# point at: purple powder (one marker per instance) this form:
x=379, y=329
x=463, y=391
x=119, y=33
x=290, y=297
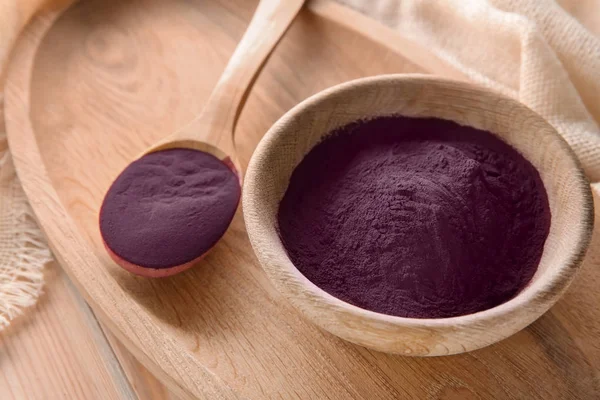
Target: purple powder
x=419, y=218
x=169, y=207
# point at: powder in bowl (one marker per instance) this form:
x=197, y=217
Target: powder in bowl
x=169, y=208
x=418, y=218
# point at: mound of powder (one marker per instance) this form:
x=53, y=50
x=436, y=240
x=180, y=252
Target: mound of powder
x=419, y=218
x=169, y=207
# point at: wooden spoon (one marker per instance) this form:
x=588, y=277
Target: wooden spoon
x=212, y=133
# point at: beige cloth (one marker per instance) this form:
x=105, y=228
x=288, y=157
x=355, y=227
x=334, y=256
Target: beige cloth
x=23, y=252
x=543, y=52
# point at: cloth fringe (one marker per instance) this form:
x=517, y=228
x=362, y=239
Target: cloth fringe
x=23, y=250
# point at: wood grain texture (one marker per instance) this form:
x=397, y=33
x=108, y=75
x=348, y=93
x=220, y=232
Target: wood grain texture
x=419, y=96
x=14, y=15
x=58, y=350
x=134, y=70
x=144, y=384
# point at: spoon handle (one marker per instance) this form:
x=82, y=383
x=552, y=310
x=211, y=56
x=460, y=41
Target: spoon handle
x=217, y=121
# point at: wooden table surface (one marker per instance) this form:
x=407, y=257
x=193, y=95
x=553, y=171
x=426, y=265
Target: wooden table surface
x=58, y=350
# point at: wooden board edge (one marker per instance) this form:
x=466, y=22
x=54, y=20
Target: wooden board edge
x=381, y=34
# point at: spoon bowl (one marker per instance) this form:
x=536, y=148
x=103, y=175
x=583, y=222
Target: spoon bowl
x=300, y=129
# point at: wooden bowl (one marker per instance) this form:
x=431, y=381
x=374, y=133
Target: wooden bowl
x=288, y=141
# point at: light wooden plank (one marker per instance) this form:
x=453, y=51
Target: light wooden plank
x=58, y=351
x=145, y=385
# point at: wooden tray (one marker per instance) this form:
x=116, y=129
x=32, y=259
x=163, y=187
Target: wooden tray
x=89, y=90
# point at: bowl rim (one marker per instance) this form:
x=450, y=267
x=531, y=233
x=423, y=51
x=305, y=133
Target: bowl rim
x=546, y=293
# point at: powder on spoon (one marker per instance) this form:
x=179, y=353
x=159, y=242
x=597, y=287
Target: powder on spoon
x=169, y=208
x=419, y=218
